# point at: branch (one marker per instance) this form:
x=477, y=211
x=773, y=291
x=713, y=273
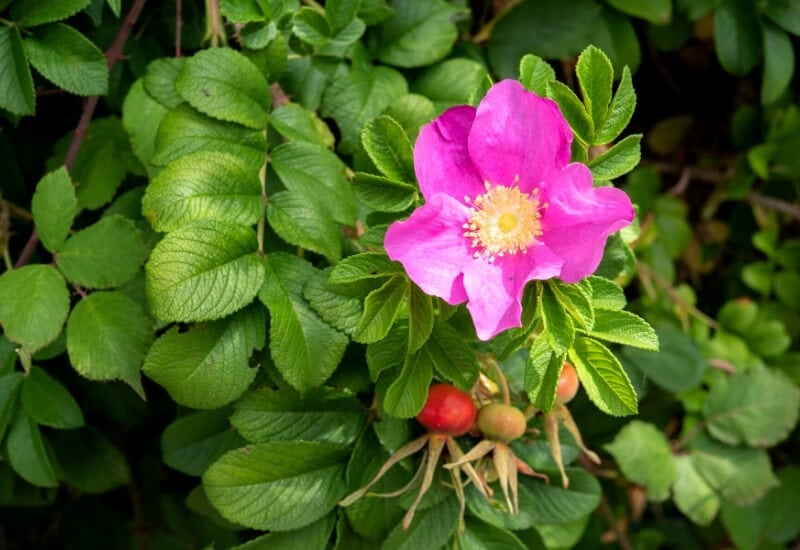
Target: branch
x=178, y=27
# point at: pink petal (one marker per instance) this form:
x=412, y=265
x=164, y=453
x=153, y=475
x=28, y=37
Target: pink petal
x=495, y=289
x=579, y=218
x=431, y=246
x=441, y=159
x=518, y=134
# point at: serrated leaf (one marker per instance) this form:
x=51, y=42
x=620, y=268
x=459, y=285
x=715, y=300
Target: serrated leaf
x=383, y=194
x=381, y=308
x=299, y=491
x=737, y=35
x=366, y=265
x=645, y=457
x=558, y=327
x=282, y=415
x=606, y=294
x=105, y=254
x=406, y=395
x=141, y=117
x=677, y=366
x=203, y=185
x=779, y=63
x=203, y=271
x=693, y=496
x=34, y=304
x=193, y=442
x=224, y=84
x=296, y=123
x=388, y=352
x=300, y=222
x=575, y=301
x=159, y=80
x=29, y=13
x=107, y=338
x=89, y=462
x=619, y=112
x=306, y=350
x=9, y=386
x=479, y=535
x=572, y=109
x=535, y=73
x=420, y=318
x=452, y=357
x=623, y=157
x=757, y=407
x=16, y=83
x=595, y=76
x=68, y=59
x=207, y=366
x=47, y=402
x=54, y=207
x=185, y=130
x=339, y=305
x=624, y=327
x=388, y=146
x=542, y=371
x=603, y=378
x=431, y=528
x=25, y=452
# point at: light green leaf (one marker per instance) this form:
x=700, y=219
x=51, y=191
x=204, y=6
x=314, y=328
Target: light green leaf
x=603, y=378
x=572, y=109
x=620, y=159
x=452, y=357
x=381, y=308
x=693, y=496
x=299, y=490
x=624, y=327
x=300, y=221
x=203, y=271
x=340, y=13
x=9, y=385
x=366, y=265
x=383, y=194
x=558, y=327
x=34, y=304
x=658, y=12
x=677, y=366
x=315, y=535
x=47, y=402
x=595, y=76
x=224, y=84
x=388, y=146
x=107, y=338
x=645, y=457
x=105, y=254
x=535, y=73
x=756, y=407
x=296, y=123
x=339, y=305
x=412, y=111
x=25, y=452
x=283, y=415
x=420, y=318
x=193, y=442
x=203, y=185
x=431, y=528
x=406, y=395
x=542, y=371
x=159, y=80
x=619, y=112
x=16, y=83
x=450, y=82
x=306, y=350
x=141, y=117
x=737, y=35
x=89, y=462
x=605, y=293
x=54, y=207
x=779, y=63
x=29, y=13
x=575, y=301
x=207, y=366
x=68, y=59
x=559, y=535
x=418, y=33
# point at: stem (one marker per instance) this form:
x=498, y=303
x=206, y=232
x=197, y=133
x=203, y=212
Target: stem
x=649, y=274
x=178, y=27
x=611, y=519
x=501, y=379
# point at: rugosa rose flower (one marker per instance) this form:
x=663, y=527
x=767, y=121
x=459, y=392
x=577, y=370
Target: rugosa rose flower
x=503, y=206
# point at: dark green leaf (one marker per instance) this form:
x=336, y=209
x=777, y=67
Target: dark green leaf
x=381, y=308
x=658, y=12
x=47, y=402
x=339, y=305
x=29, y=13
x=785, y=14
x=16, y=83
x=558, y=327
x=479, y=535
x=542, y=371
x=620, y=159
x=431, y=528
x=779, y=63
x=89, y=462
x=603, y=378
x=54, y=207
x=383, y=194
x=388, y=352
x=645, y=457
x=677, y=366
x=9, y=385
x=388, y=146
x=615, y=35
x=737, y=35
x=193, y=442
x=367, y=265
x=420, y=318
x=406, y=395
x=25, y=452
x=300, y=221
x=452, y=357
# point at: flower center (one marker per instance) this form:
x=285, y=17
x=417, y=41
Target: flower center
x=503, y=221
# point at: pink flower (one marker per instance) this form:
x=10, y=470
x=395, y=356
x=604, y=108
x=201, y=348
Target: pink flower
x=503, y=206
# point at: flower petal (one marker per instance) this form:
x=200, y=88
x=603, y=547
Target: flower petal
x=579, y=218
x=516, y=133
x=431, y=246
x=441, y=159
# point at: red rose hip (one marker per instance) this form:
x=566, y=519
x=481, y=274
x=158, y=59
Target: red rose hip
x=568, y=384
x=448, y=410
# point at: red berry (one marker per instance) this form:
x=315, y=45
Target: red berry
x=448, y=410
x=501, y=422
x=567, y=384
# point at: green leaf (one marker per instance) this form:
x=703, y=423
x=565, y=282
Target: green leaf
x=89, y=462
x=184, y=131
x=542, y=371
x=558, y=535
x=9, y=384
x=207, y=366
x=737, y=35
x=141, y=117
x=624, y=327
x=575, y=301
x=740, y=474
x=758, y=408
x=785, y=14
x=315, y=535
x=383, y=194
x=658, y=12
x=572, y=109
x=418, y=33
x=452, y=357
x=431, y=528
x=558, y=327
x=205, y=270
x=615, y=35
x=787, y=288
x=29, y=13
x=34, y=304
x=47, y=402
x=412, y=111
x=366, y=265
x=224, y=84
x=535, y=73
x=340, y=13
x=283, y=415
x=388, y=146
x=479, y=535
x=203, y=185
x=677, y=366
x=693, y=496
x=25, y=452
x=603, y=378
x=619, y=112
x=645, y=457
x=339, y=305
x=389, y=352
x=296, y=123
x=381, y=308
x=16, y=82
x=595, y=76
x=306, y=350
x=105, y=254
x=159, y=80
x=779, y=63
x=358, y=97
x=193, y=442
x=68, y=59
x=300, y=222
x=605, y=293
x=318, y=175
x=301, y=481
x=406, y=395
x=420, y=318
x=450, y=82
x=54, y=207
x=107, y=338
x=620, y=159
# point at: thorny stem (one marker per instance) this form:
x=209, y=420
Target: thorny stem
x=113, y=55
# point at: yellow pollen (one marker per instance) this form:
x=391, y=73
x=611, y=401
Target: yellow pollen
x=503, y=221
